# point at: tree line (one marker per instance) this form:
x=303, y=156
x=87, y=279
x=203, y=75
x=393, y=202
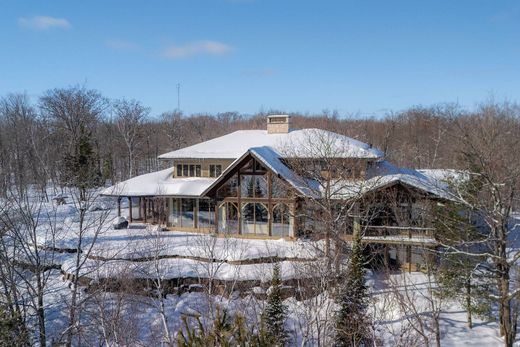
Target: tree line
x=123, y=138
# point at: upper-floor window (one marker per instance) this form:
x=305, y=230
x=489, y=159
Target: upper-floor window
x=186, y=170
x=215, y=170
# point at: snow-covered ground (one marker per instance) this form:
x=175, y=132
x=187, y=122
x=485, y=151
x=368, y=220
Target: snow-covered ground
x=139, y=251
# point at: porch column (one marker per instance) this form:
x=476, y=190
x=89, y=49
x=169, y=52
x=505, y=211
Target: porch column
x=269, y=204
x=119, y=206
x=144, y=208
x=130, y=209
x=216, y=217
x=152, y=202
x=239, y=210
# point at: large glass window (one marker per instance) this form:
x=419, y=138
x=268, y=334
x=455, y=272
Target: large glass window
x=229, y=188
x=282, y=222
x=253, y=186
x=206, y=214
x=174, y=213
x=188, y=213
x=279, y=188
x=179, y=170
x=228, y=218
x=254, y=219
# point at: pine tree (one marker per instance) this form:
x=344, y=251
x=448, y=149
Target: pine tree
x=81, y=167
x=275, y=312
x=352, y=324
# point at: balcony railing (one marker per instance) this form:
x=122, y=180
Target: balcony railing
x=397, y=234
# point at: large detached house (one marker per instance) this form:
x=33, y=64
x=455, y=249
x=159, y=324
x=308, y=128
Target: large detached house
x=267, y=184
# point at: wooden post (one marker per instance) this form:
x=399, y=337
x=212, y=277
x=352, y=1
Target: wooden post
x=292, y=214
x=119, y=206
x=216, y=217
x=196, y=214
x=239, y=210
x=166, y=211
x=269, y=204
x=409, y=257
x=130, y=209
x=144, y=208
x=150, y=201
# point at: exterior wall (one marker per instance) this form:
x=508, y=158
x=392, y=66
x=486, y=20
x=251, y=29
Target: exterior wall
x=204, y=163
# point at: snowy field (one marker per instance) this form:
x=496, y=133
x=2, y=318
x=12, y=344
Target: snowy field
x=142, y=251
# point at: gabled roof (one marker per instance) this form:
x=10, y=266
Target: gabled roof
x=271, y=160
x=160, y=183
x=307, y=143
x=384, y=174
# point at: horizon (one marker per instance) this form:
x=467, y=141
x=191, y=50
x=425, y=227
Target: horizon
x=247, y=56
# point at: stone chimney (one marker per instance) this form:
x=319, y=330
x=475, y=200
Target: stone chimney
x=278, y=124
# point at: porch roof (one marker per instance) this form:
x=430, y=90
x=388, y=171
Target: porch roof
x=160, y=183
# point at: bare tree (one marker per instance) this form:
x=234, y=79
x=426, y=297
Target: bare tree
x=488, y=147
x=129, y=116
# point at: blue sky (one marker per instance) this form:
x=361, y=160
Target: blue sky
x=356, y=57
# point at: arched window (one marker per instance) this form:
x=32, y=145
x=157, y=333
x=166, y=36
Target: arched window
x=255, y=218
x=282, y=221
x=228, y=218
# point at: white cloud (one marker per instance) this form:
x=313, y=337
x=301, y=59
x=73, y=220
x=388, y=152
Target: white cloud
x=197, y=48
x=43, y=22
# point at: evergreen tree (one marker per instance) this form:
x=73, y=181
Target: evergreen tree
x=275, y=312
x=12, y=330
x=352, y=324
x=461, y=275
x=81, y=167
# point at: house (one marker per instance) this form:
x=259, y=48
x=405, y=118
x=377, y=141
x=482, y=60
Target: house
x=274, y=183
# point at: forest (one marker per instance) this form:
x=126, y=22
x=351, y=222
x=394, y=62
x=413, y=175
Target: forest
x=72, y=141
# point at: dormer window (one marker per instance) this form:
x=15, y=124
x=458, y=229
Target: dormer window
x=215, y=170
x=188, y=170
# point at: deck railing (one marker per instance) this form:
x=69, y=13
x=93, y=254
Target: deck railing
x=410, y=232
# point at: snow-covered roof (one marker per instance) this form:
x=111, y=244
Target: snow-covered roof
x=160, y=183
x=449, y=176
x=271, y=160
x=384, y=174
x=307, y=143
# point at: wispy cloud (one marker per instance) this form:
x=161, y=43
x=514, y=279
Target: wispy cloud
x=197, y=48
x=122, y=45
x=43, y=22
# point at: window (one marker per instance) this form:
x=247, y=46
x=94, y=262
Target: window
x=230, y=188
x=206, y=213
x=254, y=218
x=253, y=186
x=174, y=213
x=228, y=218
x=188, y=213
x=281, y=220
x=215, y=170
x=189, y=170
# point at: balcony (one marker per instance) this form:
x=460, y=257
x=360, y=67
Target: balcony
x=397, y=235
